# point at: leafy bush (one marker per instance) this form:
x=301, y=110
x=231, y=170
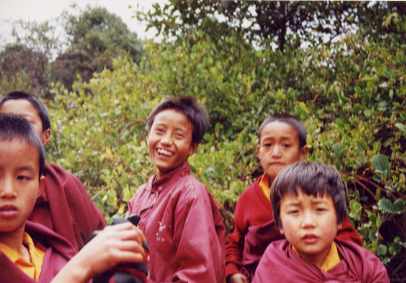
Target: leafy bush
x=350, y=95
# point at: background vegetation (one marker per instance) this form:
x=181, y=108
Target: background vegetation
x=340, y=67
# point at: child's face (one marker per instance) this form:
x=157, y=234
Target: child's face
x=19, y=183
x=24, y=108
x=170, y=140
x=309, y=224
x=278, y=147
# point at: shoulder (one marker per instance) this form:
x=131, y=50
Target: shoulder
x=363, y=261
x=58, y=175
x=248, y=197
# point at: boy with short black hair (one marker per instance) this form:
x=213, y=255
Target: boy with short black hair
x=308, y=202
x=281, y=142
x=179, y=218
x=63, y=204
x=30, y=252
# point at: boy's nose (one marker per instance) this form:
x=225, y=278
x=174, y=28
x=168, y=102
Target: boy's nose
x=7, y=189
x=166, y=139
x=276, y=151
x=308, y=219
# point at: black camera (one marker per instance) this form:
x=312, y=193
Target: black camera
x=126, y=272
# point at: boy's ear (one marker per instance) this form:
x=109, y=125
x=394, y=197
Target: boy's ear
x=257, y=150
x=46, y=136
x=41, y=183
x=304, y=152
x=193, y=148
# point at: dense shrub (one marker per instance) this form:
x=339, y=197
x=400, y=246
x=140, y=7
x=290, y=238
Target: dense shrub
x=351, y=96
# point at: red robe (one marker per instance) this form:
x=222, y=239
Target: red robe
x=255, y=228
x=183, y=227
x=281, y=264
x=65, y=207
x=58, y=252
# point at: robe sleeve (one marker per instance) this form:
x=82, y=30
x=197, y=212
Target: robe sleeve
x=199, y=251
x=87, y=217
x=234, y=243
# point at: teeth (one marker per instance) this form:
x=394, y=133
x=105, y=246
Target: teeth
x=164, y=152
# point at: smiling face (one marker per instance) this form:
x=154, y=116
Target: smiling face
x=25, y=109
x=278, y=147
x=170, y=140
x=309, y=224
x=19, y=184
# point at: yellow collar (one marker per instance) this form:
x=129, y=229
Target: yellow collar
x=33, y=267
x=264, y=185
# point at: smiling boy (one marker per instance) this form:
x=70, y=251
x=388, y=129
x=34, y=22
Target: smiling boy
x=308, y=202
x=178, y=216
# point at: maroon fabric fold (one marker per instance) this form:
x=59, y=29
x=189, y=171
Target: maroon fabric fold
x=65, y=207
x=281, y=264
x=58, y=252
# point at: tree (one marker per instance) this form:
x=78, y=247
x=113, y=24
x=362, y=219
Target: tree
x=19, y=61
x=95, y=37
x=271, y=23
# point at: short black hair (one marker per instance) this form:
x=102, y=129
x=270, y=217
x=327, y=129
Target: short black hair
x=291, y=121
x=34, y=101
x=188, y=106
x=312, y=179
x=17, y=127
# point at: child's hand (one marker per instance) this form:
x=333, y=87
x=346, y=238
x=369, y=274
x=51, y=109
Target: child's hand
x=238, y=278
x=122, y=243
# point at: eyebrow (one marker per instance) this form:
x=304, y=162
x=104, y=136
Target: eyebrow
x=26, y=168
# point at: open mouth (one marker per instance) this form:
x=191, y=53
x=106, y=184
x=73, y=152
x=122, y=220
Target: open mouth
x=164, y=152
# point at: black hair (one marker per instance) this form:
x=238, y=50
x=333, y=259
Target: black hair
x=17, y=127
x=291, y=121
x=313, y=179
x=188, y=106
x=34, y=101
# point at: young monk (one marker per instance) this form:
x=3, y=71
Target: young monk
x=30, y=252
x=179, y=218
x=308, y=201
x=63, y=204
x=281, y=141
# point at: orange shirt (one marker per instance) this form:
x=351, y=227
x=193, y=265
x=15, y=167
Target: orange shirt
x=32, y=268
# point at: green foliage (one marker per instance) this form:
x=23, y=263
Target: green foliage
x=350, y=95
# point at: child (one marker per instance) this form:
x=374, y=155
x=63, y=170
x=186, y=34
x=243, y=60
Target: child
x=179, y=218
x=63, y=204
x=308, y=201
x=281, y=141
x=30, y=252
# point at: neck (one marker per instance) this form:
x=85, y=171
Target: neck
x=317, y=259
x=14, y=239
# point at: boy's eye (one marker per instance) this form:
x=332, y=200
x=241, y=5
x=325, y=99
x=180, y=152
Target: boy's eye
x=24, y=178
x=267, y=145
x=292, y=211
x=159, y=131
x=286, y=145
x=320, y=209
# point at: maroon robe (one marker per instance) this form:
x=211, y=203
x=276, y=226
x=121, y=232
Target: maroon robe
x=255, y=229
x=65, y=207
x=357, y=264
x=183, y=227
x=58, y=252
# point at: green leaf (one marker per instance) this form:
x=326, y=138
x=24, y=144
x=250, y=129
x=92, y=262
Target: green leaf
x=381, y=164
x=401, y=127
x=387, y=206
